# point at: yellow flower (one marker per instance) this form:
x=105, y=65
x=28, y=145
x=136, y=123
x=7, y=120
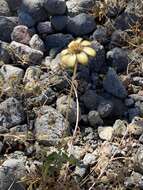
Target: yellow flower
x=78, y=51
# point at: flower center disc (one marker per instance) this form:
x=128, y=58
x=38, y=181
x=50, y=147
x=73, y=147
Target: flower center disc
x=75, y=48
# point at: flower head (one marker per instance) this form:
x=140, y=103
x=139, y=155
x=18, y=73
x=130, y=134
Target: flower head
x=78, y=51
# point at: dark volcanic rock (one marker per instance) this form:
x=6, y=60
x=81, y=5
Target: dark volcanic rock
x=57, y=41
x=55, y=7
x=6, y=27
x=113, y=85
x=59, y=22
x=81, y=24
x=14, y=4
x=45, y=27
x=125, y=21
x=25, y=19
x=97, y=63
x=118, y=59
x=35, y=9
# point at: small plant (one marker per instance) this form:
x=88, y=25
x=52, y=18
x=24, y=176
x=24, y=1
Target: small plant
x=51, y=174
x=78, y=52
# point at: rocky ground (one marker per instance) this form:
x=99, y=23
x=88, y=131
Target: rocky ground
x=35, y=130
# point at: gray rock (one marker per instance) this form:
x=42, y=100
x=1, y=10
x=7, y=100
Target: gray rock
x=35, y=9
x=26, y=54
x=76, y=7
x=32, y=73
x=10, y=71
x=81, y=24
x=139, y=105
x=89, y=134
x=3, y=130
x=1, y=146
x=138, y=81
x=54, y=64
x=50, y=126
x=21, y=34
x=120, y=128
x=80, y=170
x=58, y=82
x=37, y=43
x=118, y=59
x=18, y=155
x=58, y=41
x=4, y=8
x=136, y=97
x=11, y=113
x=136, y=126
x=6, y=27
x=94, y=118
x=105, y=133
x=45, y=28
x=89, y=159
x=25, y=19
x=4, y=54
x=141, y=139
x=55, y=7
x=138, y=160
x=11, y=171
x=59, y=22
x=14, y=5
x=134, y=181
x=19, y=129
x=113, y=85
x=62, y=107
x=105, y=108
x=77, y=151
x=47, y=98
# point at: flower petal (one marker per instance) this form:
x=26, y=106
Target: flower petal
x=82, y=58
x=78, y=40
x=85, y=43
x=64, y=52
x=68, y=60
x=71, y=44
x=89, y=51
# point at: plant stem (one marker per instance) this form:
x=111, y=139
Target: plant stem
x=71, y=90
